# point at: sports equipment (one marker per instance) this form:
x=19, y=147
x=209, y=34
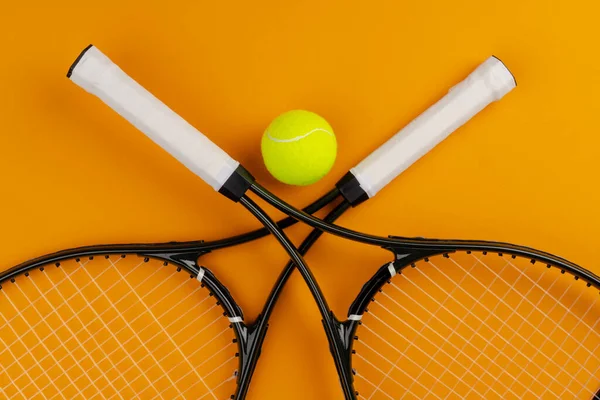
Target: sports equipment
x=443, y=318
x=299, y=147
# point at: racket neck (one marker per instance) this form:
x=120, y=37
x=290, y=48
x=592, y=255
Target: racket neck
x=254, y=334
x=304, y=247
x=314, y=207
x=315, y=222
x=332, y=326
x=260, y=326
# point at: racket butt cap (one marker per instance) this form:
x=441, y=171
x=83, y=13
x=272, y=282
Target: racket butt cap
x=72, y=67
x=496, y=76
x=508, y=70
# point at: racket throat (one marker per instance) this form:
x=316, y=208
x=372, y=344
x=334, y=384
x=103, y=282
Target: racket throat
x=340, y=336
x=250, y=340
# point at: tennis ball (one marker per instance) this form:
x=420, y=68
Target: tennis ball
x=299, y=147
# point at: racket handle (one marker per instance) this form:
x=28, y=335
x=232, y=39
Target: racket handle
x=97, y=74
x=488, y=83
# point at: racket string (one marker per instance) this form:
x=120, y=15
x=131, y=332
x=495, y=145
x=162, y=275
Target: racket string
x=497, y=332
x=41, y=343
x=162, y=330
x=440, y=349
x=432, y=316
x=551, y=357
x=453, y=359
x=492, y=313
x=74, y=271
x=117, y=331
x=509, y=340
x=402, y=354
x=207, y=359
x=210, y=390
x=380, y=370
x=545, y=291
x=587, y=382
x=525, y=320
x=32, y=381
x=387, y=374
x=106, y=356
x=14, y=382
x=381, y=320
x=228, y=380
x=30, y=305
x=559, y=347
x=135, y=364
x=377, y=389
x=73, y=335
x=76, y=315
x=460, y=351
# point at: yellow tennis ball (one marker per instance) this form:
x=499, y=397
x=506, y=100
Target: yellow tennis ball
x=299, y=147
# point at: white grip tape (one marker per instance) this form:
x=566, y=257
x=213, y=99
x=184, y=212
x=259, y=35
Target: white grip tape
x=97, y=74
x=488, y=83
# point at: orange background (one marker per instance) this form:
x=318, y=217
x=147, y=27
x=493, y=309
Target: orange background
x=524, y=171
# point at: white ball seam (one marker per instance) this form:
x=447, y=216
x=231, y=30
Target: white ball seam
x=297, y=138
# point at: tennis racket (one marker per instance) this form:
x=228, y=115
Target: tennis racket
x=455, y=291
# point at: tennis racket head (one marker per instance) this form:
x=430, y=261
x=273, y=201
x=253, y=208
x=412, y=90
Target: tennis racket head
x=108, y=323
x=494, y=323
